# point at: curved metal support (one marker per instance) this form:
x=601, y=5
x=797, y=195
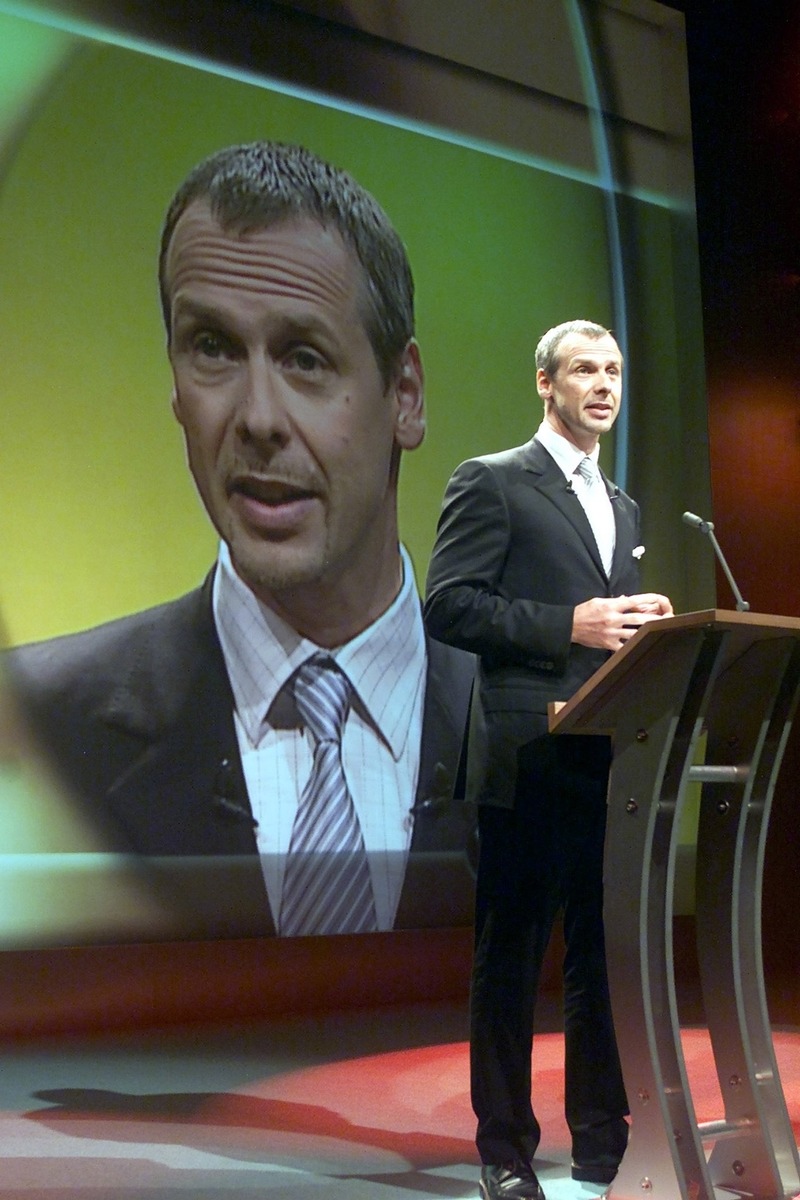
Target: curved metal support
x=757, y=1153
x=736, y=676
x=653, y=744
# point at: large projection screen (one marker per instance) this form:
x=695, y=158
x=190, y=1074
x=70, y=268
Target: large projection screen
x=536, y=160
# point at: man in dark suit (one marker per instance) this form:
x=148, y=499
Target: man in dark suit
x=297, y=682
x=535, y=569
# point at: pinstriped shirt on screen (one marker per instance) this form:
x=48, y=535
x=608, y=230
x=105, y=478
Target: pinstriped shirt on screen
x=386, y=666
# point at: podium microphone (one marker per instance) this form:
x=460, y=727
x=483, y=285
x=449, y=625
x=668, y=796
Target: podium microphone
x=707, y=528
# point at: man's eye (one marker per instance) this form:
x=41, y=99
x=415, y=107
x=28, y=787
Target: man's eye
x=305, y=360
x=210, y=345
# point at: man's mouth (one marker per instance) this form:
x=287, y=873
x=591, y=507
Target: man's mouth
x=272, y=507
x=271, y=492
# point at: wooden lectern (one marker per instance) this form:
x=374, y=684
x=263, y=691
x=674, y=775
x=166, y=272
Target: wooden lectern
x=733, y=677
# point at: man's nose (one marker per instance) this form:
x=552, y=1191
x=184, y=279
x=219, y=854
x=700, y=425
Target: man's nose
x=263, y=412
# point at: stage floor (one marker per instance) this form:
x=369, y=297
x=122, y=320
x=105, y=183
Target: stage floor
x=356, y=1106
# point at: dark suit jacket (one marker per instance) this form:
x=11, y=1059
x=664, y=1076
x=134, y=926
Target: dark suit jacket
x=137, y=716
x=514, y=555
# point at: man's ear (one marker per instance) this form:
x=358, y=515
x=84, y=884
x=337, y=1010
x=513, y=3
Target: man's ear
x=409, y=398
x=176, y=406
x=543, y=386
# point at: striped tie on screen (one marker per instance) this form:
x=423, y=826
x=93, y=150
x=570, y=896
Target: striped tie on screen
x=326, y=886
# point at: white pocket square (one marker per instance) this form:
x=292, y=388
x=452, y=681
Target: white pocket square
x=637, y=551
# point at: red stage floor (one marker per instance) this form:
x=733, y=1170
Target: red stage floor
x=363, y=1106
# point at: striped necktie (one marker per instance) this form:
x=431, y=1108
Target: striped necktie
x=326, y=885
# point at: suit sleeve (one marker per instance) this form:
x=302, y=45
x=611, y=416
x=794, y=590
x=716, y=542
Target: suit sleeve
x=465, y=603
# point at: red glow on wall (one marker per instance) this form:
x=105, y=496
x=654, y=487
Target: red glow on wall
x=755, y=455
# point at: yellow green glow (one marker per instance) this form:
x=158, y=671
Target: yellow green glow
x=29, y=55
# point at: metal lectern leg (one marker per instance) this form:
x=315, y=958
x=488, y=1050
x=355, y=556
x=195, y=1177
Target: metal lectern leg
x=736, y=677
x=653, y=742
x=754, y=1152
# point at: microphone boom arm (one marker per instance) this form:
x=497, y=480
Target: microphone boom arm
x=707, y=527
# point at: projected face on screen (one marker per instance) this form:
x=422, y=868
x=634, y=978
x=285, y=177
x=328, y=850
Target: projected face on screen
x=280, y=715
x=297, y=381
x=161, y=647
x=297, y=385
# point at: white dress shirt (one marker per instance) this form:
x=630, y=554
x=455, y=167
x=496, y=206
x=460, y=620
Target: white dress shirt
x=595, y=501
x=386, y=665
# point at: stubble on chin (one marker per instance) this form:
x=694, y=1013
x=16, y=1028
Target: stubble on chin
x=269, y=570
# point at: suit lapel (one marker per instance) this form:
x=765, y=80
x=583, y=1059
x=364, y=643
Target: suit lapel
x=625, y=518
x=176, y=791
x=173, y=708
x=438, y=885
x=550, y=481
x=447, y=696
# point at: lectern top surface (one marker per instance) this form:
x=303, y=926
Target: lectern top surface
x=589, y=710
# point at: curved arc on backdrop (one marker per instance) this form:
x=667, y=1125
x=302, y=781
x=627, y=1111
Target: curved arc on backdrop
x=597, y=89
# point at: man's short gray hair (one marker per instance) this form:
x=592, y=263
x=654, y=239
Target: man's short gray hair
x=547, y=357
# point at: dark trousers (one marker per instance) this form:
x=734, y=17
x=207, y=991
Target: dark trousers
x=544, y=855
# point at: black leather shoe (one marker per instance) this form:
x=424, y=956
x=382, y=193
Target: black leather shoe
x=510, y=1181
x=594, y=1172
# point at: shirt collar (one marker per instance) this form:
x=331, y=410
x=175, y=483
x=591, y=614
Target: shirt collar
x=385, y=663
x=562, y=450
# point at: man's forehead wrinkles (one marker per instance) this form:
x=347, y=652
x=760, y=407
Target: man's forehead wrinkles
x=260, y=273
x=293, y=258
x=197, y=283
x=594, y=358
x=577, y=343
x=594, y=348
